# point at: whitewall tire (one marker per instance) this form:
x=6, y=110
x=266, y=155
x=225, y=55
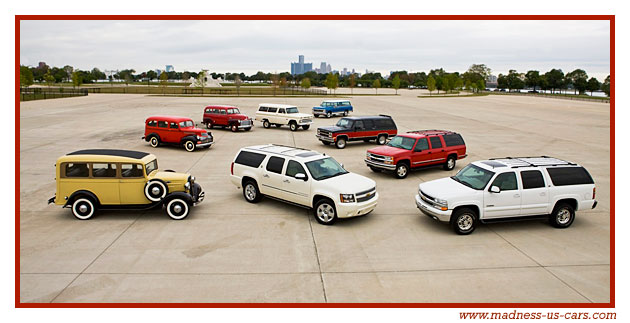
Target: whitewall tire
x=155, y=191
x=83, y=208
x=177, y=209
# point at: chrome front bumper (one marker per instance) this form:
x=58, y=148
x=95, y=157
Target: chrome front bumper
x=372, y=163
x=432, y=212
x=325, y=138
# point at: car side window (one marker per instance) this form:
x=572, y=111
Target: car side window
x=368, y=124
x=532, y=179
x=208, y=110
x=281, y=111
x=359, y=125
x=506, y=181
x=275, y=164
x=103, y=170
x=272, y=110
x=162, y=124
x=152, y=123
x=76, y=170
x=131, y=170
x=423, y=144
x=262, y=109
x=174, y=125
x=294, y=168
x=435, y=142
x=222, y=111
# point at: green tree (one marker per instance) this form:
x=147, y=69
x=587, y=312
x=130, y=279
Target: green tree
x=306, y=83
x=151, y=75
x=376, y=84
x=352, y=82
x=26, y=76
x=481, y=85
x=532, y=79
x=335, y=82
x=515, y=80
x=555, y=79
x=49, y=79
x=68, y=70
x=430, y=84
x=578, y=79
x=396, y=83
x=502, y=82
x=606, y=86
x=163, y=81
x=593, y=85
x=275, y=82
x=76, y=79
x=237, y=83
x=201, y=80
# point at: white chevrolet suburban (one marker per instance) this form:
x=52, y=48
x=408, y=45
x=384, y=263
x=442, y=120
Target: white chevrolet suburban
x=305, y=178
x=508, y=189
x=281, y=114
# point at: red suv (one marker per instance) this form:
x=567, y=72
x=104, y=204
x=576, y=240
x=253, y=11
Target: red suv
x=177, y=131
x=226, y=116
x=416, y=149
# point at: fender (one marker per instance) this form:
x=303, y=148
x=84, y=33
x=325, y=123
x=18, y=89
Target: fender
x=81, y=192
x=188, y=137
x=320, y=193
x=148, y=137
x=556, y=198
x=183, y=195
x=471, y=202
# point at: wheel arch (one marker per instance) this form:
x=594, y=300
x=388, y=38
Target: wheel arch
x=475, y=208
x=188, y=137
x=247, y=178
x=151, y=135
x=318, y=197
x=81, y=193
x=183, y=195
x=568, y=200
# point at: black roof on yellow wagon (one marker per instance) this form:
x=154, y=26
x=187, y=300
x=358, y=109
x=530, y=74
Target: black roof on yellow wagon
x=111, y=152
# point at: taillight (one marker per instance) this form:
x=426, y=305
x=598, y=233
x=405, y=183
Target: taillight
x=593, y=193
x=232, y=172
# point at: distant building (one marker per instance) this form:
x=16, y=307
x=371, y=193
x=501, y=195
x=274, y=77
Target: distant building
x=328, y=68
x=41, y=65
x=322, y=68
x=170, y=68
x=491, y=79
x=300, y=67
x=158, y=72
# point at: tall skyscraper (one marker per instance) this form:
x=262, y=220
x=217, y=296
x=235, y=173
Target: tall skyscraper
x=170, y=68
x=322, y=68
x=300, y=67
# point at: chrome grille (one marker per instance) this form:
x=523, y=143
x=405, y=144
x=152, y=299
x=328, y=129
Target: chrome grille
x=377, y=157
x=246, y=122
x=366, y=195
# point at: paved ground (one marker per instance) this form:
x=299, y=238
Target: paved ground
x=232, y=251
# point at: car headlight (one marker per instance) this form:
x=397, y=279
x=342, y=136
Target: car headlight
x=389, y=160
x=346, y=198
x=192, y=179
x=187, y=185
x=441, y=204
x=367, y=155
x=198, y=137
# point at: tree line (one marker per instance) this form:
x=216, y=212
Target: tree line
x=474, y=79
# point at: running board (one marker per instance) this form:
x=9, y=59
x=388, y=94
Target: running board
x=517, y=218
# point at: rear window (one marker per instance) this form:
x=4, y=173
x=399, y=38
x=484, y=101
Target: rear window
x=532, y=179
x=384, y=123
x=454, y=139
x=249, y=159
x=562, y=176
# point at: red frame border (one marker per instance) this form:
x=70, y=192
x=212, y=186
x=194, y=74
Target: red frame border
x=19, y=304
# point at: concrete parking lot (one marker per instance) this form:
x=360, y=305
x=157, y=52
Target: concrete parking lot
x=228, y=250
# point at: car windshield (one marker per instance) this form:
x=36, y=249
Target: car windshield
x=473, y=176
x=292, y=110
x=325, y=168
x=344, y=123
x=233, y=111
x=402, y=142
x=151, y=166
x=186, y=124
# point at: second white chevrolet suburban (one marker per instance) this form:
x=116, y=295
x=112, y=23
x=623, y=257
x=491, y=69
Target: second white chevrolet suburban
x=281, y=114
x=509, y=188
x=305, y=178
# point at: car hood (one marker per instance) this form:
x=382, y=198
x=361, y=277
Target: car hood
x=238, y=116
x=197, y=131
x=169, y=176
x=349, y=183
x=388, y=151
x=445, y=188
x=333, y=129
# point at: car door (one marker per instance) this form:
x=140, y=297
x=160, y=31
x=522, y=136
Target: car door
x=370, y=129
x=174, y=134
x=104, y=183
x=282, y=117
x=272, y=115
x=420, y=153
x=505, y=203
x=272, y=177
x=535, y=195
x=132, y=181
x=222, y=117
x=163, y=131
x=297, y=190
x=437, y=154
x=359, y=131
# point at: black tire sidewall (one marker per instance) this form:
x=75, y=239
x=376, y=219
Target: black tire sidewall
x=554, y=218
x=293, y=126
x=343, y=140
x=186, y=145
x=258, y=195
x=171, y=212
x=329, y=202
x=401, y=165
x=456, y=215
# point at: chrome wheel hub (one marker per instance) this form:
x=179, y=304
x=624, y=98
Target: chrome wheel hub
x=563, y=216
x=250, y=192
x=451, y=163
x=177, y=208
x=325, y=212
x=155, y=191
x=402, y=171
x=465, y=222
x=83, y=208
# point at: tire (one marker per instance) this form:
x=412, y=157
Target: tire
x=155, y=191
x=328, y=114
x=325, y=212
x=234, y=128
x=306, y=126
x=83, y=208
x=376, y=170
x=293, y=126
x=381, y=140
x=251, y=192
x=402, y=170
x=266, y=124
x=154, y=141
x=177, y=208
x=345, y=113
x=450, y=163
x=248, y=129
x=209, y=124
x=464, y=221
x=316, y=115
x=340, y=143
x=562, y=216
x=326, y=143
x=189, y=145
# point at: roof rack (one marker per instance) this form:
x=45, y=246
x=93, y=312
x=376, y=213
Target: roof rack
x=284, y=152
x=436, y=131
x=535, y=161
x=385, y=115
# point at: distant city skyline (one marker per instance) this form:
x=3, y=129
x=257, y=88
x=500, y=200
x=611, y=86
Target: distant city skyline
x=380, y=46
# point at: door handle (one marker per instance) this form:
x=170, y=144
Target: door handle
x=442, y=150
x=517, y=195
x=429, y=152
x=286, y=181
x=543, y=194
x=267, y=176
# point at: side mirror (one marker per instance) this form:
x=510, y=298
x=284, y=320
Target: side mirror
x=341, y=164
x=495, y=189
x=300, y=176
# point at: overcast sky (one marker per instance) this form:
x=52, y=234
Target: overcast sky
x=270, y=46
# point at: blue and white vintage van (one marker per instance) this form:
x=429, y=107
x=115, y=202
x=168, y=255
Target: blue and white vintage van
x=329, y=108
